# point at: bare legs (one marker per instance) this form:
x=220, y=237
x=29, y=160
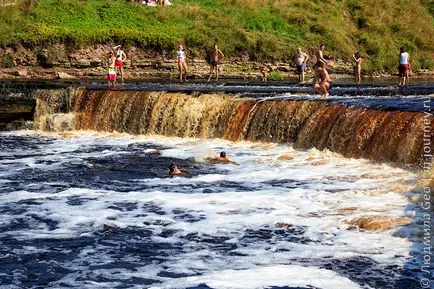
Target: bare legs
x=403, y=80
x=120, y=69
x=182, y=72
x=322, y=89
x=212, y=69
x=358, y=75
x=301, y=77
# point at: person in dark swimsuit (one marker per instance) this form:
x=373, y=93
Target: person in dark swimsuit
x=214, y=61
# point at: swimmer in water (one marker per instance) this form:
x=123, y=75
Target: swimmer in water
x=222, y=159
x=174, y=171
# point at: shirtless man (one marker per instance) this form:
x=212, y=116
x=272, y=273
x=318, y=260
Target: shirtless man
x=120, y=59
x=300, y=62
x=320, y=57
x=214, y=65
x=174, y=171
x=321, y=80
x=222, y=158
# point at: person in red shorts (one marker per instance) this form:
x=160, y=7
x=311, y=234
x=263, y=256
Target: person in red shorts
x=111, y=72
x=404, y=66
x=120, y=59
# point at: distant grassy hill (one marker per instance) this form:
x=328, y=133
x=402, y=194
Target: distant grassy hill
x=260, y=29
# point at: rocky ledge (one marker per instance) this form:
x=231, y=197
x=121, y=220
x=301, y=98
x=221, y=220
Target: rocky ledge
x=62, y=62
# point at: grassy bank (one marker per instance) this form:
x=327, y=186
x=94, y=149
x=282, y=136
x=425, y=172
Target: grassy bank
x=259, y=29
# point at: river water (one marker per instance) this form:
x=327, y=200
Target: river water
x=94, y=210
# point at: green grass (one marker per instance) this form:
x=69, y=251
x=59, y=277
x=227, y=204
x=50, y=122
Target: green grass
x=265, y=30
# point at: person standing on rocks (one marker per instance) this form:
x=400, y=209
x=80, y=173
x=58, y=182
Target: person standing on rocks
x=214, y=62
x=300, y=63
x=111, y=72
x=358, y=67
x=120, y=59
x=404, y=66
x=182, y=64
x=320, y=56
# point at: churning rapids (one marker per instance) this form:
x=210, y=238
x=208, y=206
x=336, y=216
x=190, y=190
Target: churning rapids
x=98, y=210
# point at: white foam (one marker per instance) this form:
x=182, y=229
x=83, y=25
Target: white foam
x=264, y=277
x=306, y=192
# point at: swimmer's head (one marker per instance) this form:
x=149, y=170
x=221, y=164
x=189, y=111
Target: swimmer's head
x=222, y=154
x=171, y=167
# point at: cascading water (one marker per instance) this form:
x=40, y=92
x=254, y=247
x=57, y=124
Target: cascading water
x=92, y=205
x=385, y=136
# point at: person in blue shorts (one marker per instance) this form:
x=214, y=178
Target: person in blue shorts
x=300, y=63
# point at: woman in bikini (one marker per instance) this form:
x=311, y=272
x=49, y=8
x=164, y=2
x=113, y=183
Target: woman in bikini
x=182, y=64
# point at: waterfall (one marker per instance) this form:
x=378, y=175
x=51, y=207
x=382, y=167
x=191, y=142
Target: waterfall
x=354, y=132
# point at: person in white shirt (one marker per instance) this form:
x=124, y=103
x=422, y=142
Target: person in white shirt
x=182, y=64
x=404, y=66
